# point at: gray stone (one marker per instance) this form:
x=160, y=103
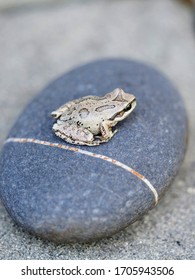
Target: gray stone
x=66, y=196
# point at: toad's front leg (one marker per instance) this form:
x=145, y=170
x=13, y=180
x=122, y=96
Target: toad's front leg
x=106, y=131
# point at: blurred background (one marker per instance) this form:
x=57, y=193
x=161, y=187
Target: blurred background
x=40, y=40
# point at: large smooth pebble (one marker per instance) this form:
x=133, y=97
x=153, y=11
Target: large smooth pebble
x=68, y=196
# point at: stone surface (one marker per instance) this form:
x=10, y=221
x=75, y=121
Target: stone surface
x=66, y=196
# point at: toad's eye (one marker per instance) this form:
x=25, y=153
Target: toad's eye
x=128, y=107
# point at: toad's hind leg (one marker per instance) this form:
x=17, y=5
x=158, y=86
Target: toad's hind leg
x=73, y=134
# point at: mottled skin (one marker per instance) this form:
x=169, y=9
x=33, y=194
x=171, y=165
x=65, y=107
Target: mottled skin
x=89, y=120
